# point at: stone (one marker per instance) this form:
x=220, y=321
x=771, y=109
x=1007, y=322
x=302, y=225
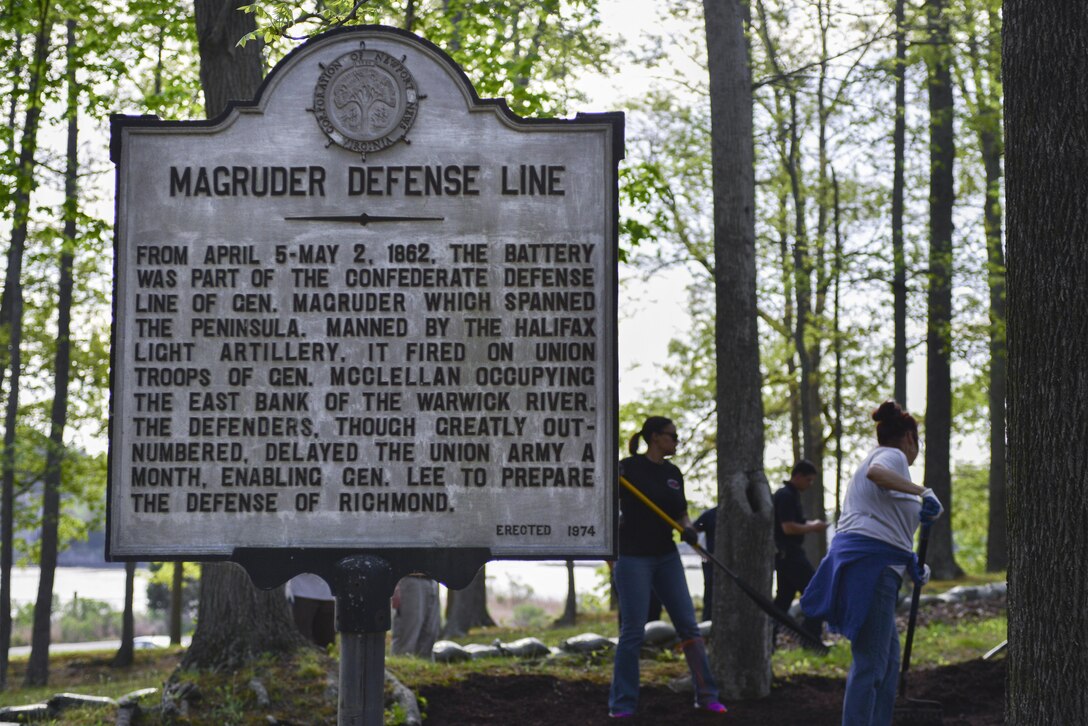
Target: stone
x=136, y=696
x=64, y=701
x=659, y=634
x=255, y=685
x=586, y=643
x=25, y=714
x=526, y=648
x=482, y=650
x=407, y=700
x=446, y=651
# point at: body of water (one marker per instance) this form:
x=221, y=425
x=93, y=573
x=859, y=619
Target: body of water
x=514, y=579
x=106, y=584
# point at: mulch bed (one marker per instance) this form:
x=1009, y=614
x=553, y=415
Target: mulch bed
x=971, y=694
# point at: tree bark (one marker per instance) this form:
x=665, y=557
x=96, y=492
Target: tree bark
x=740, y=645
x=124, y=655
x=899, y=258
x=570, y=610
x=467, y=608
x=235, y=621
x=997, y=540
x=177, y=599
x=11, y=321
x=992, y=145
x=228, y=72
x=1045, y=74
x=37, y=669
x=938, y=420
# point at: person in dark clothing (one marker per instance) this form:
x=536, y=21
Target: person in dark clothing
x=705, y=523
x=792, y=569
x=648, y=560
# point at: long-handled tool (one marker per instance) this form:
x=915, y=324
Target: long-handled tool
x=757, y=597
x=915, y=710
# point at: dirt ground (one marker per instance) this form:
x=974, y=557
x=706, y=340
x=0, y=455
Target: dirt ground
x=971, y=694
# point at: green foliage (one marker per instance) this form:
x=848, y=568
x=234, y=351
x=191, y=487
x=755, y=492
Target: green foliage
x=230, y=704
x=970, y=515
x=82, y=620
x=528, y=615
x=528, y=53
x=160, y=590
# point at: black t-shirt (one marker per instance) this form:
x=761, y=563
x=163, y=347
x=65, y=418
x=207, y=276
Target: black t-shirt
x=787, y=508
x=706, y=522
x=643, y=532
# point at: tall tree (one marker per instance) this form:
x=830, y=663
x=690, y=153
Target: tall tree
x=570, y=608
x=467, y=608
x=37, y=670
x=942, y=155
x=899, y=258
x=126, y=651
x=235, y=620
x=11, y=315
x=1045, y=72
x=741, y=653
x=981, y=90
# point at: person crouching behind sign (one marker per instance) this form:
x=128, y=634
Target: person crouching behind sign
x=648, y=560
x=855, y=588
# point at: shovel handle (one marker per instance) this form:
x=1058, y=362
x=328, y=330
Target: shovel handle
x=757, y=597
x=915, y=598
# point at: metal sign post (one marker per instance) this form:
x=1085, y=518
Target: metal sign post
x=362, y=617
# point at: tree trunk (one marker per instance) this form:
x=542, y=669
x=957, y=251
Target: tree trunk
x=124, y=655
x=938, y=420
x=177, y=590
x=11, y=324
x=37, y=669
x=983, y=67
x=991, y=143
x=899, y=257
x=997, y=540
x=227, y=72
x=1045, y=74
x=570, y=610
x=740, y=645
x=467, y=608
x=837, y=338
x=235, y=621
x=806, y=343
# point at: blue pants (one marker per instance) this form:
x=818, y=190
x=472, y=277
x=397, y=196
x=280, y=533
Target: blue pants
x=635, y=576
x=872, y=681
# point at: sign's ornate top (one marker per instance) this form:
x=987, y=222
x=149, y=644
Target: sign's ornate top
x=365, y=100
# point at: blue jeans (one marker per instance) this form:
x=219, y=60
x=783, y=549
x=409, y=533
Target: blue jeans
x=872, y=681
x=635, y=575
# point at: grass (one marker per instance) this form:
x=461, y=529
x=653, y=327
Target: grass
x=297, y=686
x=90, y=673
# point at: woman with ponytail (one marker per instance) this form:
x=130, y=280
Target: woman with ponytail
x=649, y=561
x=856, y=587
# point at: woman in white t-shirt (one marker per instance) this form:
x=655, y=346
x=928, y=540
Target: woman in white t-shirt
x=857, y=584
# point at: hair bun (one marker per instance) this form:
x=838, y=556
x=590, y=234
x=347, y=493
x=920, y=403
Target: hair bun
x=888, y=411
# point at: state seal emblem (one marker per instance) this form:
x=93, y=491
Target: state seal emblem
x=365, y=100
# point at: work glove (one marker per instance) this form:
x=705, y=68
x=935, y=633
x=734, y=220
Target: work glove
x=690, y=535
x=931, y=507
x=921, y=575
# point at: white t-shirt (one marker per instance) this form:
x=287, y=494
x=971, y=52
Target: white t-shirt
x=883, y=514
x=308, y=585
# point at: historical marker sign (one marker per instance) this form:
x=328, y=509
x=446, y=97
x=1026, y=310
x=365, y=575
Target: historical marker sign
x=368, y=310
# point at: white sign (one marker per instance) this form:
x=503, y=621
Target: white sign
x=368, y=310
